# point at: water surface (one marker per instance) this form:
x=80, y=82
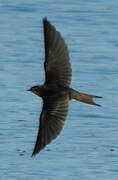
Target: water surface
x=87, y=148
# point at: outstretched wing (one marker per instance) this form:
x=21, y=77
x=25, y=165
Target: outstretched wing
x=57, y=66
x=52, y=120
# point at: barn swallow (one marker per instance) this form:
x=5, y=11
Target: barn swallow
x=56, y=91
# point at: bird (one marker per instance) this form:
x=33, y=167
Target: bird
x=55, y=91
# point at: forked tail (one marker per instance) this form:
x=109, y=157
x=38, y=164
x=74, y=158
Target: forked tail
x=85, y=98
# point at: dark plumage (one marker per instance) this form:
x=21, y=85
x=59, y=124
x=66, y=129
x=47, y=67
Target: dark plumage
x=55, y=91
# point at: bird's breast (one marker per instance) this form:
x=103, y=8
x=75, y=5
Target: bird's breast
x=55, y=93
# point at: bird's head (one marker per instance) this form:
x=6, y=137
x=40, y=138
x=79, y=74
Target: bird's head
x=36, y=90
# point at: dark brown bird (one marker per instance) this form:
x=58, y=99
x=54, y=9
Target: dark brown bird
x=55, y=92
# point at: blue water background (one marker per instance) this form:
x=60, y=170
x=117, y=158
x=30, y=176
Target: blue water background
x=87, y=148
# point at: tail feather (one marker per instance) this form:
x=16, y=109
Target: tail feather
x=85, y=98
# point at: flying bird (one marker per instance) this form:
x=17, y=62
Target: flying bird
x=56, y=91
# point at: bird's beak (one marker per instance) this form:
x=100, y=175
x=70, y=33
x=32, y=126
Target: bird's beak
x=29, y=90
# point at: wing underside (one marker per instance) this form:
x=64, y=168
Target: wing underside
x=52, y=120
x=57, y=65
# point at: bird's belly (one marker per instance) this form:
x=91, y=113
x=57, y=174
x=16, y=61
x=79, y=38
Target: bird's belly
x=56, y=93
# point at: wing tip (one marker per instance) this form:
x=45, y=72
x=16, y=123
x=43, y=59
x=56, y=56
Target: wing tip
x=33, y=154
x=45, y=21
x=35, y=151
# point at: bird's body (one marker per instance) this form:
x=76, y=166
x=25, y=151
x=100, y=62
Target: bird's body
x=56, y=91
x=48, y=92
